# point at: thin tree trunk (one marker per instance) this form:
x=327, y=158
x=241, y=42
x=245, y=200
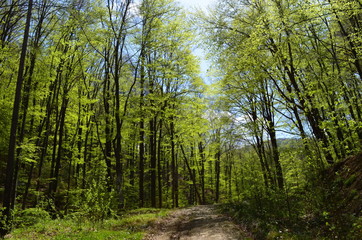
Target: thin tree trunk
x=191, y=173
x=55, y=182
x=159, y=166
x=152, y=143
x=118, y=58
x=153, y=160
x=202, y=172
x=133, y=157
x=108, y=128
x=141, y=167
x=217, y=176
x=174, y=166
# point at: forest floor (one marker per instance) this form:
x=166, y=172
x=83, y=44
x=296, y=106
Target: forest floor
x=196, y=223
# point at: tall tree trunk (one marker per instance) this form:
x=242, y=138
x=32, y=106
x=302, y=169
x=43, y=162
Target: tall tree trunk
x=141, y=167
x=153, y=159
x=10, y=187
x=46, y=124
x=118, y=138
x=133, y=156
x=217, y=175
x=202, y=172
x=118, y=63
x=59, y=157
x=174, y=169
x=159, y=165
x=108, y=127
x=217, y=165
x=275, y=156
x=191, y=173
x=31, y=168
x=85, y=154
x=267, y=112
x=152, y=142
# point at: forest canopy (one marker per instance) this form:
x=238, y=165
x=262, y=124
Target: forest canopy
x=103, y=106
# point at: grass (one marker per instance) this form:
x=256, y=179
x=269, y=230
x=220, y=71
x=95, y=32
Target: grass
x=131, y=225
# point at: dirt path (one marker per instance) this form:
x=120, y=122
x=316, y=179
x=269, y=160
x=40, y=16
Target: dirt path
x=196, y=223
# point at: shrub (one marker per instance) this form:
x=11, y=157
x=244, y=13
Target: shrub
x=30, y=216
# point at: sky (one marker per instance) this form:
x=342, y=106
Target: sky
x=196, y=3
x=203, y=5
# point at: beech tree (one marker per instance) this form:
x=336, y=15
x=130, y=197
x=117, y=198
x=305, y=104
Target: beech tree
x=111, y=111
x=12, y=162
x=285, y=70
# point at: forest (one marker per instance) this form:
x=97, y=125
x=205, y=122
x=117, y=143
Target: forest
x=104, y=109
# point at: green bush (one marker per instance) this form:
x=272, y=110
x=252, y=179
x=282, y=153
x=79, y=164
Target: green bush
x=131, y=225
x=30, y=216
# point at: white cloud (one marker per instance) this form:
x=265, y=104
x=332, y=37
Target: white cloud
x=192, y=4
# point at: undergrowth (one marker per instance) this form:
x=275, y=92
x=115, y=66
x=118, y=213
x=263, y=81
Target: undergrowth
x=35, y=224
x=268, y=218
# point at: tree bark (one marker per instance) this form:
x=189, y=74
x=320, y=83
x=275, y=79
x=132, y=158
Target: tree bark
x=10, y=186
x=191, y=173
x=159, y=165
x=202, y=172
x=174, y=166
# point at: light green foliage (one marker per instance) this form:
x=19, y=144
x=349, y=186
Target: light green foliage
x=294, y=162
x=131, y=225
x=31, y=216
x=97, y=203
x=276, y=58
x=28, y=151
x=116, y=109
x=4, y=123
x=8, y=60
x=290, y=68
